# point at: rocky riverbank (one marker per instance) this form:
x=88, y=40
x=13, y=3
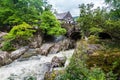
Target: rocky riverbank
x=33, y=67
x=35, y=59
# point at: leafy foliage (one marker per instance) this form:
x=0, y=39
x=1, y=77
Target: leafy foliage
x=113, y=27
x=94, y=21
x=22, y=31
x=91, y=20
x=7, y=46
x=77, y=69
x=13, y=12
x=50, y=25
x=114, y=5
x=19, y=34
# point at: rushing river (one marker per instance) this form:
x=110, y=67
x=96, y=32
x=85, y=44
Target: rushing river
x=35, y=67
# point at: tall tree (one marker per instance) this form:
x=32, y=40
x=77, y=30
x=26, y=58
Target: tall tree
x=50, y=25
x=14, y=12
x=91, y=20
x=115, y=8
x=113, y=3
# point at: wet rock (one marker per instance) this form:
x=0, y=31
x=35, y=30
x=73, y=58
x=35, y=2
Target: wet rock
x=45, y=48
x=62, y=45
x=67, y=44
x=29, y=53
x=4, y=58
x=35, y=67
x=56, y=48
x=58, y=61
x=60, y=38
x=16, y=54
x=36, y=41
x=1, y=35
x=1, y=38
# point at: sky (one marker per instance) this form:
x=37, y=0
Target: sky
x=72, y=5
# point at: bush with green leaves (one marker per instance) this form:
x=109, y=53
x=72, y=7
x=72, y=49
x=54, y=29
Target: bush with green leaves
x=19, y=34
x=113, y=28
x=22, y=31
x=14, y=12
x=93, y=39
x=50, y=25
x=7, y=46
x=78, y=68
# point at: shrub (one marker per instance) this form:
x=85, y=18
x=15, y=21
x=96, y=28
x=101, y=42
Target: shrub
x=22, y=31
x=7, y=46
x=19, y=35
x=97, y=66
x=50, y=25
x=77, y=69
x=93, y=39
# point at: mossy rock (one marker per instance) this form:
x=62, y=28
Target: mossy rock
x=107, y=62
x=52, y=75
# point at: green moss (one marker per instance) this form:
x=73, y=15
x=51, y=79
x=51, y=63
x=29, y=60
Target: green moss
x=108, y=63
x=7, y=46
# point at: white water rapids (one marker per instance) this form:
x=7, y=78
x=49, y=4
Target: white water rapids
x=34, y=67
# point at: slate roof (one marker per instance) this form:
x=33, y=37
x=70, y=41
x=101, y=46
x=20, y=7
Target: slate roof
x=61, y=15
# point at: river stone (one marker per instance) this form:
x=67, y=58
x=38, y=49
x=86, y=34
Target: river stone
x=16, y=54
x=56, y=48
x=45, y=48
x=4, y=58
x=58, y=61
x=1, y=38
x=29, y=53
x=36, y=41
x=65, y=44
x=1, y=35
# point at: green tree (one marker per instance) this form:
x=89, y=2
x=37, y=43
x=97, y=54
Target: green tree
x=91, y=20
x=113, y=28
x=113, y=3
x=112, y=24
x=115, y=9
x=20, y=32
x=13, y=12
x=50, y=25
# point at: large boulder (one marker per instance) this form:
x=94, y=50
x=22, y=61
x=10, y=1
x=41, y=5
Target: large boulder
x=62, y=45
x=1, y=35
x=58, y=61
x=29, y=53
x=36, y=41
x=4, y=58
x=16, y=54
x=1, y=38
x=45, y=48
x=60, y=38
x=56, y=48
x=67, y=44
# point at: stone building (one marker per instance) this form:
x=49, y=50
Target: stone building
x=65, y=17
